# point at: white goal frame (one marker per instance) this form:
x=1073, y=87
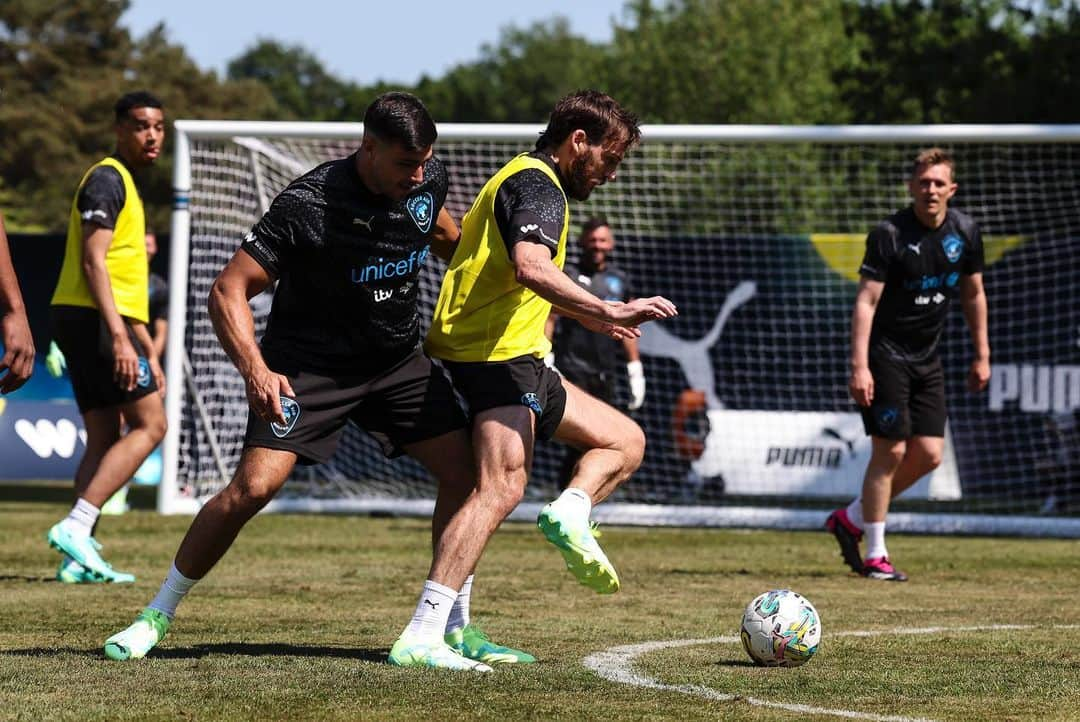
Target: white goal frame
x=171, y=501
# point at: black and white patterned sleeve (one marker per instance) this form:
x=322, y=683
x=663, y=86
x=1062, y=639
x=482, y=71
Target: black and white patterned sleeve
x=530, y=207
x=102, y=197
x=274, y=238
x=880, y=250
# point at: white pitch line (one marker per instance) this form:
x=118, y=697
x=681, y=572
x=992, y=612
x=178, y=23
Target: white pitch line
x=616, y=665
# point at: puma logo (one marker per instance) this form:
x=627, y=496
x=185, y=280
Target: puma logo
x=434, y=605
x=694, y=356
x=366, y=224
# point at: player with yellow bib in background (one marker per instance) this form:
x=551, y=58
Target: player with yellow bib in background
x=99, y=317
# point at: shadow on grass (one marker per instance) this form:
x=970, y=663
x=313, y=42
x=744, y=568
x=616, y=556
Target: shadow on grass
x=207, y=650
x=26, y=578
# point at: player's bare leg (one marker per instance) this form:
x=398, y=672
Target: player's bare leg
x=101, y=474
x=502, y=452
x=886, y=458
x=613, y=443
x=259, y=476
x=923, y=455
x=613, y=446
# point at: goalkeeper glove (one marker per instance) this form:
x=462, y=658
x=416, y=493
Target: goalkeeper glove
x=637, y=385
x=55, y=363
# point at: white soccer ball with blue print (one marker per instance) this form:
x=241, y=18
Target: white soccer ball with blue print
x=781, y=628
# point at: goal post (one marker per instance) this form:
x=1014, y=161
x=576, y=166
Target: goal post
x=756, y=233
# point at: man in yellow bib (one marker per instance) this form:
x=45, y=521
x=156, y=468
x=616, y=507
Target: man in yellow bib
x=488, y=329
x=99, y=317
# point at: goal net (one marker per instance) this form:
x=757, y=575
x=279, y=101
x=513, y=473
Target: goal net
x=757, y=234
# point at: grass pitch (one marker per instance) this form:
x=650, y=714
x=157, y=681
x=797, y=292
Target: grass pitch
x=296, y=622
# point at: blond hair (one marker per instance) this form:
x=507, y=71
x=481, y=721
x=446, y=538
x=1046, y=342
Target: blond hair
x=933, y=156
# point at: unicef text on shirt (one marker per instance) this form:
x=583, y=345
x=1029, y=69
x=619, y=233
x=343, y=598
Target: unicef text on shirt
x=383, y=269
x=947, y=280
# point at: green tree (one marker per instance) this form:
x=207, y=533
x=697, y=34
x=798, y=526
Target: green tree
x=758, y=61
x=63, y=63
x=962, y=61
x=301, y=86
x=519, y=78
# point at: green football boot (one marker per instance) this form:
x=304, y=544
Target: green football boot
x=470, y=641
x=84, y=550
x=573, y=534
x=138, y=639
x=71, y=572
x=412, y=652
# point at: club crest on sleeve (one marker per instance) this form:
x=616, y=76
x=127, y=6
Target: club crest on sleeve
x=954, y=247
x=533, y=402
x=291, y=409
x=144, y=377
x=421, y=208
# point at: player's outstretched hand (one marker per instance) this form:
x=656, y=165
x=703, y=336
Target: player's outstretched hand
x=609, y=329
x=978, y=375
x=640, y=310
x=18, y=361
x=264, y=391
x=861, y=386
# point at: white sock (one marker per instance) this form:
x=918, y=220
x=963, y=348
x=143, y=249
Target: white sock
x=459, y=614
x=82, y=517
x=854, y=512
x=173, y=589
x=432, y=611
x=575, y=498
x=875, y=540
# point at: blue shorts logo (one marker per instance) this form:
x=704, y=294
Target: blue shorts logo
x=144, y=377
x=887, y=418
x=533, y=402
x=291, y=409
x=954, y=247
x=421, y=208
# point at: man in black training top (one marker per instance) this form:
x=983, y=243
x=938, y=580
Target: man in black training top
x=916, y=262
x=345, y=243
x=586, y=358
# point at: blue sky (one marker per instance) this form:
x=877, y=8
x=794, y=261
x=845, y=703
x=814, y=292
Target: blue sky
x=361, y=40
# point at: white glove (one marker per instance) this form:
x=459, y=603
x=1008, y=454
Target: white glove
x=637, y=385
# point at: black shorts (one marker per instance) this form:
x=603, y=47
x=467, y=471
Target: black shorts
x=523, y=381
x=85, y=340
x=909, y=398
x=412, y=401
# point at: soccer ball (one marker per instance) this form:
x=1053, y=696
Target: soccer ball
x=781, y=629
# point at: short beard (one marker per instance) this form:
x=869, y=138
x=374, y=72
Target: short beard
x=577, y=184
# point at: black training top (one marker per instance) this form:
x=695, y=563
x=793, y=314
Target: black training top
x=528, y=206
x=921, y=269
x=579, y=352
x=102, y=196
x=159, y=299
x=347, y=262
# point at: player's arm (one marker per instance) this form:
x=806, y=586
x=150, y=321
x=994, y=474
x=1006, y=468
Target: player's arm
x=973, y=302
x=242, y=279
x=96, y=241
x=161, y=332
x=446, y=235
x=861, y=383
x=535, y=270
x=18, y=361
x=142, y=335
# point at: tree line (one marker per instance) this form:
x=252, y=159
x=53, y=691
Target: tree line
x=63, y=63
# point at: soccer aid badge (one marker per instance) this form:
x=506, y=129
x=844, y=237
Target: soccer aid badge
x=143, y=379
x=291, y=410
x=953, y=247
x=421, y=207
